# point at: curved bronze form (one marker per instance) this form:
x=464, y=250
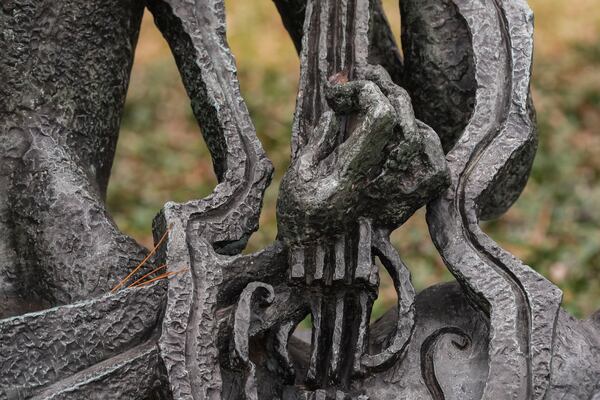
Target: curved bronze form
x=488, y=171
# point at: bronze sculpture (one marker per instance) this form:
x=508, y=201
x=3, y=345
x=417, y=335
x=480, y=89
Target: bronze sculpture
x=375, y=138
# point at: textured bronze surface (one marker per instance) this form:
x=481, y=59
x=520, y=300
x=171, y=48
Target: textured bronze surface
x=451, y=127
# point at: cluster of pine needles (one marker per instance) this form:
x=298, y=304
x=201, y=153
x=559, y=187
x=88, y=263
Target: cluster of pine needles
x=148, y=278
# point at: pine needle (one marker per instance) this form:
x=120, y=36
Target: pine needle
x=140, y=265
x=159, y=277
x=147, y=275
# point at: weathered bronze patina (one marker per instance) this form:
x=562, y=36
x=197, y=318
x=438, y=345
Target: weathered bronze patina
x=451, y=127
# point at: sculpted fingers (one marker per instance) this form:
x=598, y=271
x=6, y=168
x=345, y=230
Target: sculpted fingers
x=321, y=145
x=368, y=129
x=397, y=96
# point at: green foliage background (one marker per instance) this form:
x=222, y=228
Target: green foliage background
x=554, y=227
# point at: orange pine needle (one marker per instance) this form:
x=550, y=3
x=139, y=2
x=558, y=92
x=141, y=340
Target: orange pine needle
x=159, y=277
x=147, y=275
x=140, y=265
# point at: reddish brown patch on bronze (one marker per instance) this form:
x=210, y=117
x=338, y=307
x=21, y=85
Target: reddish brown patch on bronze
x=339, y=77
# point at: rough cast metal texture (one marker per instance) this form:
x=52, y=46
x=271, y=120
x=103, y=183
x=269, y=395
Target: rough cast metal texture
x=65, y=71
x=374, y=139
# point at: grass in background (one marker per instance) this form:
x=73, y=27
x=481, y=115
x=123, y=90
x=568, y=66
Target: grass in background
x=554, y=227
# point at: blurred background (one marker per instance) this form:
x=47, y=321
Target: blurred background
x=554, y=227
